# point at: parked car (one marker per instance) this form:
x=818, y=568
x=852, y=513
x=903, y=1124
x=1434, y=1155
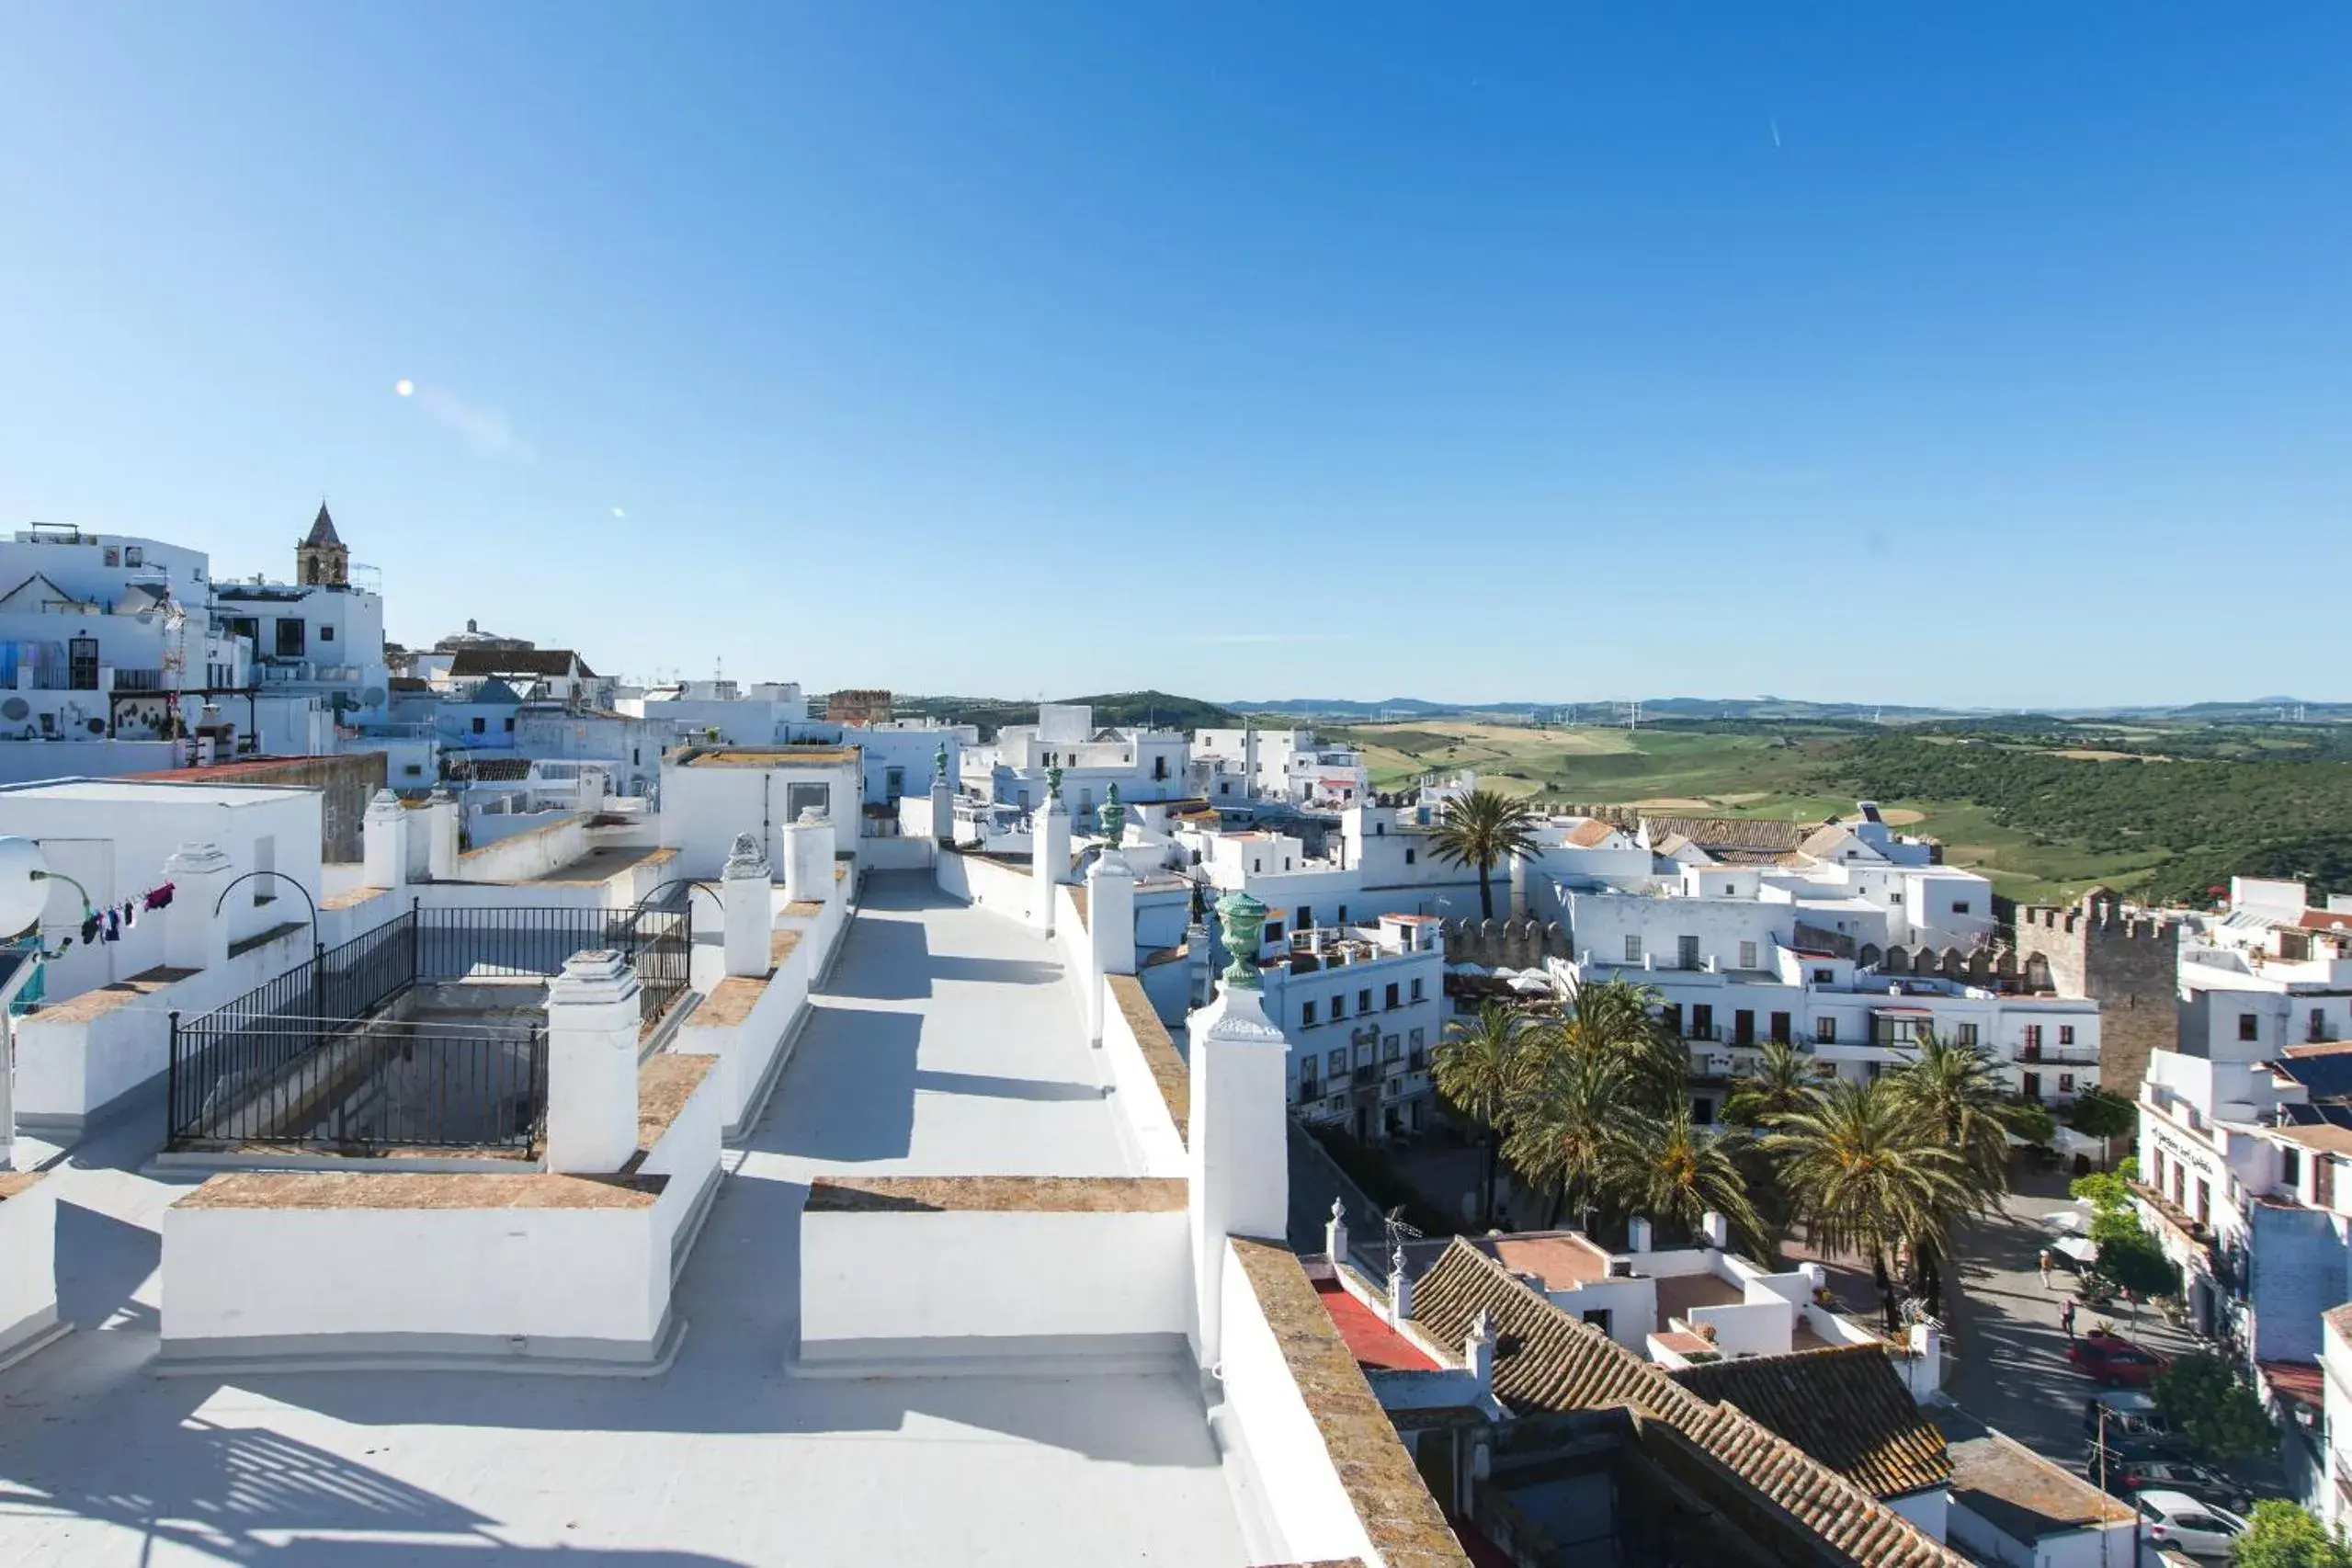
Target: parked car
x=2127, y=1473
x=2115, y=1362
x=2131, y=1426
x=2176, y=1520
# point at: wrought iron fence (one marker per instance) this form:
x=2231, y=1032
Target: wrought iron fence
x=375, y=1083
x=282, y=1020
x=314, y=1057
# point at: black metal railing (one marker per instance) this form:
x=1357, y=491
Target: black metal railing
x=314, y=1057
x=376, y=1083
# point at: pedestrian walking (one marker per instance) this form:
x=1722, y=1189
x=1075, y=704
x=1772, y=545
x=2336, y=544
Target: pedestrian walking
x=2045, y=1269
x=2066, y=1318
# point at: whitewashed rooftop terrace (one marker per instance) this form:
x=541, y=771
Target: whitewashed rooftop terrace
x=946, y=1044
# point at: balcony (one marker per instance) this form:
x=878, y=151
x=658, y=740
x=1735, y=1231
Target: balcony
x=2059, y=1055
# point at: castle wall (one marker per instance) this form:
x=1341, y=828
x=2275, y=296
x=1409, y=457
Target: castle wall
x=2129, y=964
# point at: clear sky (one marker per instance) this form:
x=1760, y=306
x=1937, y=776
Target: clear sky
x=1954, y=354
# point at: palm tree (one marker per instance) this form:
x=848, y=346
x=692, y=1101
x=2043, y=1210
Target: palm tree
x=1484, y=829
x=1785, y=1080
x=1684, y=1171
x=1481, y=1066
x=1956, y=1090
x=1571, y=1132
x=1614, y=1019
x=1957, y=1095
x=1866, y=1175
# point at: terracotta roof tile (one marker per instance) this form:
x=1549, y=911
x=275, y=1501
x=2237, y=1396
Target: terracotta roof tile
x=1547, y=1361
x=1846, y=1407
x=1592, y=834
x=1731, y=833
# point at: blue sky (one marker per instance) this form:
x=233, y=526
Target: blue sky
x=1985, y=354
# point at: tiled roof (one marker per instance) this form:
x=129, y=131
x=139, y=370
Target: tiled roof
x=322, y=528
x=1546, y=1360
x=1593, y=833
x=1846, y=1407
x=1826, y=838
x=1732, y=833
x=2339, y=1318
x=2325, y=920
x=516, y=661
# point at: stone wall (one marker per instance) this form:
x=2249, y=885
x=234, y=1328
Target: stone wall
x=2127, y=964
x=1520, y=943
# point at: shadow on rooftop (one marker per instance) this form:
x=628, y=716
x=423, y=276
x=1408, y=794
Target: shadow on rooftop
x=213, y=1488
x=998, y=972
x=883, y=960
x=106, y=1260
x=940, y=1083
x=849, y=1091
x=740, y=1299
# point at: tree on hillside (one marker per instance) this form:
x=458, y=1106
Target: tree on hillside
x=2206, y=1402
x=1785, y=1079
x=2282, y=1535
x=1866, y=1175
x=1484, y=829
x=1480, y=1065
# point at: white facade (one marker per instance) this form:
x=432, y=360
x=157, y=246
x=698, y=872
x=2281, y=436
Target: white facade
x=1146, y=765
x=1362, y=1007
x=2245, y=1141
x=1733, y=971
x=1284, y=764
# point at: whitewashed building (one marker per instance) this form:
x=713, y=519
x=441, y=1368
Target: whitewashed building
x=1362, y=1007
x=1146, y=765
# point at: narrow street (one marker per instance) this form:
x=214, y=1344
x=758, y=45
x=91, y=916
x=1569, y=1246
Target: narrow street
x=2008, y=1355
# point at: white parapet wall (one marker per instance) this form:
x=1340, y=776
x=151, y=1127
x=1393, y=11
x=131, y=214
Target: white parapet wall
x=1150, y=1084
x=28, y=1265
x=77, y=1057
x=1294, y=1401
x=530, y=1271
x=923, y=1276
x=1006, y=889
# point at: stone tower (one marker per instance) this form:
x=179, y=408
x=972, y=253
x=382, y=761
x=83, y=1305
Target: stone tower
x=2129, y=965
x=323, y=558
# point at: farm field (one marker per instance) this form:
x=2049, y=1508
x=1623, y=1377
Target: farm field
x=1788, y=773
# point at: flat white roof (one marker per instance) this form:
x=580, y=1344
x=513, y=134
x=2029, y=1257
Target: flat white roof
x=151, y=792
x=947, y=1042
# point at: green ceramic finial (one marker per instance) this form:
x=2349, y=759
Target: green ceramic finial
x=1114, y=818
x=940, y=761
x=1053, y=782
x=1242, y=918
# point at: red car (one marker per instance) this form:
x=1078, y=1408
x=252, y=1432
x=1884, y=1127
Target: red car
x=2115, y=1360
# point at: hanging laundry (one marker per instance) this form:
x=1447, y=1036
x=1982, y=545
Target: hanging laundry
x=114, y=927
x=89, y=929
x=159, y=897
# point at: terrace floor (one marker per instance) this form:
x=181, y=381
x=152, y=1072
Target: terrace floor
x=945, y=1042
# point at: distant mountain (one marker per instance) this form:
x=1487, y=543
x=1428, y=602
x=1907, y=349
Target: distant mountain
x=2265, y=710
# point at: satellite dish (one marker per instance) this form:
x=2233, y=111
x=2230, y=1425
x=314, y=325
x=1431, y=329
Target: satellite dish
x=373, y=697
x=23, y=891
x=16, y=708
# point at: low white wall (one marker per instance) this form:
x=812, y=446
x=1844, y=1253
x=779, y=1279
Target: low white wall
x=268, y=1280
x=27, y=1267
x=69, y=1070
x=1266, y=1418
x=531, y=853
x=900, y=1286
x=500, y=1280
x=747, y=1050
x=1631, y=1304
x=1074, y=938
x=986, y=884
x=1754, y=1328
x=894, y=854
x=1148, y=1128
x=1929, y=1510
